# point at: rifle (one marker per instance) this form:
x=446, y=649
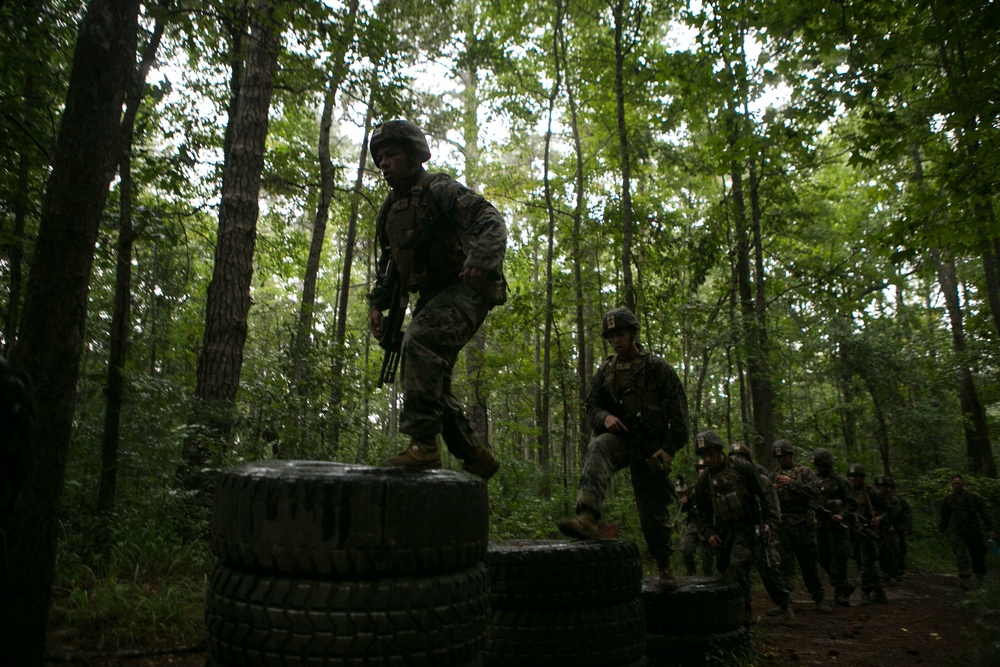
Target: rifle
x=862, y=526
x=391, y=339
x=828, y=513
x=763, y=535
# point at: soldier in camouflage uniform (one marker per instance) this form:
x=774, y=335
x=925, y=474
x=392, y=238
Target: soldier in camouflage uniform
x=638, y=409
x=888, y=548
x=872, y=511
x=833, y=535
x=443, y=241
x=734, y=505
x=797, y=488
x=768, y=557
x=692, y=541
x=963, y=522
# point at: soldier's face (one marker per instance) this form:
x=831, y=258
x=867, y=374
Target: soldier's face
x=396, y=167
x=857, y=481
x=713, y=458
x=621, y=341
x=957, y=484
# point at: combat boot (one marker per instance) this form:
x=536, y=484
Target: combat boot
x=667, y=581
x=866, y=598
x=879, y=596
x=842, y=598
x=420, y=455
x=787, y=613
x=823, y=607
x=583, y=526
x=481, y=463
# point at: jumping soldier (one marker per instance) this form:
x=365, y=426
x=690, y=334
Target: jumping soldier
x=797, y=488
x=735, y=508
x=872, y=511
x=638, y=411
x=443, y=241
x=833, y=505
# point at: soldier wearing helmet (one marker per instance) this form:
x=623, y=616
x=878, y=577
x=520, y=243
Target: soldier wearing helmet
x=872, y=511
x=446, y=243
x=834, y=505
x=964, y=519
x=797, y=488
x=692, y=541
x=637, y=409
x=733, y=501
x=889, y=548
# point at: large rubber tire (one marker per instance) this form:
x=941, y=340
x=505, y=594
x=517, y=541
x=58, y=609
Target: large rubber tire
x=333, y=519
x=721, y=648
x=258, y=620
x=550, y=574
x=583, y=637
x=699, y=606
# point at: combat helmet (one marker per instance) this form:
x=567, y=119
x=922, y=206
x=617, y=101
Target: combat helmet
x=740, y=449
x=619, y=318
x=821, y=456
x=707, y=440
x=781, y=447
x=855, y=470
x=403, y=131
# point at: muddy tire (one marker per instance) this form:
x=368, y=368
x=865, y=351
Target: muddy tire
x=583, y=637
x=261, y=620
x=549, y=574
x=700, y=606
x=330, y=519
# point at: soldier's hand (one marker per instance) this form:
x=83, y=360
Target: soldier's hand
x=665, y=458
x=782, y=480
x=615, y=425
x=375, y=321
x=714, y=541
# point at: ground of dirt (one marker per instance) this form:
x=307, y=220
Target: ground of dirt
x=921, y=625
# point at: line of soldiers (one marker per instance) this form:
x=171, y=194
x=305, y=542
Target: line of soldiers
x=740, y=516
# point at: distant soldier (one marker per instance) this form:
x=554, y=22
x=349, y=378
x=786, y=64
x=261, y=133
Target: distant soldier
x=888, y=552
x=797, y=488
x=693, y=542
x=834, y=505
x=734, y=503
x=768, y=558
x=872, y=511
x=963, y=522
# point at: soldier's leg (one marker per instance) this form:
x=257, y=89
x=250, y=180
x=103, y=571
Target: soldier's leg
x=740, y=558
x=653, y=495
x=805, y=538
x=962, y=559
x=708, y=559
x=839, y=555
x=786, y=555
x=606, y=455
x=690, y=541
x=871, y=586
x=977, y=555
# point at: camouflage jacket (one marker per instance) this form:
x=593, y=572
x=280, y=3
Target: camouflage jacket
x=644, y=390
x=797, y=496
x=456, y=228
x=964, y=514
x=731, y=494
x=871, y=503
x=835, y=496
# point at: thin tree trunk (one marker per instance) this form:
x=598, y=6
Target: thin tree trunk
x=228, y=302
x=628, y=288
x=55, y=310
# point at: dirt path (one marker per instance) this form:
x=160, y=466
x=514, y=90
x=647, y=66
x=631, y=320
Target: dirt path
x=921, y=625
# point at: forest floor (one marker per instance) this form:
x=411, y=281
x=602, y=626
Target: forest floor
x=928, y=621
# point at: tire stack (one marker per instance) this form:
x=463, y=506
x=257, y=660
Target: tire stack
x=559, y=602
x=327, y=564
x=687, y=626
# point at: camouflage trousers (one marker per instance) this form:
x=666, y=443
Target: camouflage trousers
x=735, y=558
x=833, y=550
x=606, y=455
x=692, y=543
x=797, y=544
x=970, y=554
x=768, y=561
x=442, y=324
x=888, y=554
x=866, y=556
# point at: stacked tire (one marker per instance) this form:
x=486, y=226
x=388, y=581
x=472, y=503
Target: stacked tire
x=688, y=626
x=564, y=602
x=334, y=565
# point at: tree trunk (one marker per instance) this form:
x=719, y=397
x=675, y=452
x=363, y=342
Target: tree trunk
x=978, y=450
x=228, y=300
x=52, y=324
x=628, y=288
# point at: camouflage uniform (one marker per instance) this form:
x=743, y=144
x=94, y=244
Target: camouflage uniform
x=733, y=501
x=692, y=541
x=963, y=522
x=455, y=228
x=646, y=387
x=904, y=529
x=797, y=535
x=871, y=504
x=888, y=548
x=834, y=537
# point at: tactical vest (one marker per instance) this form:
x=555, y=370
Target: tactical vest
x=426, y=252
x=627, y=381
x=727, y=491
x=830, y=494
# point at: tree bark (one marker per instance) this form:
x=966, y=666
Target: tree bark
x=625, y=153
x=54, y=316
x=228, y=301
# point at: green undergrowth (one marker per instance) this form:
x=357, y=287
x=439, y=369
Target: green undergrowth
x=982, y=648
